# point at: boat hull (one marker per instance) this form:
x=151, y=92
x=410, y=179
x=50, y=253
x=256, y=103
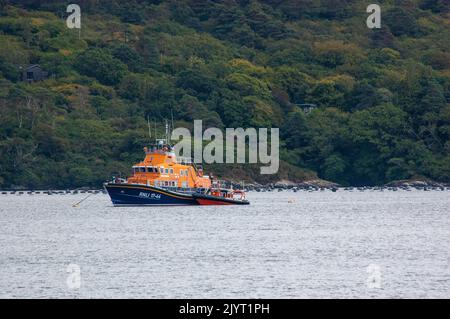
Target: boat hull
x=141, y=195
x=209, y=200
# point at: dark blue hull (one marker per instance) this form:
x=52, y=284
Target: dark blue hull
x=141, y=195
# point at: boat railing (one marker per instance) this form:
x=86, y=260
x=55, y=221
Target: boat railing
x=118, y=180
x=173, y=188
x=180, y=189
x=184, y=160
x=221, y=184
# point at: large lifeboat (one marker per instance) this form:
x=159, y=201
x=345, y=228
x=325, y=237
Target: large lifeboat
x=160, y=179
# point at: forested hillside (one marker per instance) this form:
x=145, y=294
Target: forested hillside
x=354, y=105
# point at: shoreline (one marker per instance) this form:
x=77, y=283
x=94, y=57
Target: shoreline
x=250, y=188
x=284, y=185
x=319, y=184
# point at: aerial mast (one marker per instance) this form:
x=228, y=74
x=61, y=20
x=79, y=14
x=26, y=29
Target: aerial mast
x=149, y=129
x=172, y=126
x=167, y=132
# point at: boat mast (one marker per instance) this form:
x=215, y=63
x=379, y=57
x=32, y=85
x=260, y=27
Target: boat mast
x=167, y=132
x=149, y=129
x=156, y=134
x=172, y=126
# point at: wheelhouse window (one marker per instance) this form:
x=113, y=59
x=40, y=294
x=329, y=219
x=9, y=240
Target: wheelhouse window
x=181, y=172
x=142, y=169
x=161, y=170
x=167, y=171
x=171, y=171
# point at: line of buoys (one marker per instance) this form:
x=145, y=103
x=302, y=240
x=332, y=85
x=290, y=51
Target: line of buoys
x=296, y=189
x=54, y=192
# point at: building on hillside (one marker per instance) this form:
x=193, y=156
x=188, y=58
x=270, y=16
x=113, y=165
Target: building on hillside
x=33, y=73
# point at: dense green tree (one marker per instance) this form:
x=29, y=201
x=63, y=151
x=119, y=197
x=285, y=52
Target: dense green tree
x=297, y=84
x=128, y=56
x=101, y=65
x=197, y=81
x=364, y=96
x=382, y=38
x=9, y=71
x=295, y=131
x=438, y=6
x=401, y=22
x=131, y=87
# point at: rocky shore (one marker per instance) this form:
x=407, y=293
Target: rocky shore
x=321, y=185
x=417, y=184
x=283, y=185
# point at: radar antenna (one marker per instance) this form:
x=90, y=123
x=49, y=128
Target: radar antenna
x=149, y=128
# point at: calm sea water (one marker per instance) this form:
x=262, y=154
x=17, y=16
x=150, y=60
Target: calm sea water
x=285, y=245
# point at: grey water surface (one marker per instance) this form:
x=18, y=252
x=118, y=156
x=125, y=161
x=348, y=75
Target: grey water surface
x=284, y=245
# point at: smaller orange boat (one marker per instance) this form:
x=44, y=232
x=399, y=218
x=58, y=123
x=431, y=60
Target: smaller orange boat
x=218, y=195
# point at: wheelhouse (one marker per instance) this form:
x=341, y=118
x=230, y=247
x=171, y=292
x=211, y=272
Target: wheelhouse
x=161, y=168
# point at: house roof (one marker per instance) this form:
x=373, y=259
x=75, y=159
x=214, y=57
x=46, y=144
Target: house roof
x=33, y=66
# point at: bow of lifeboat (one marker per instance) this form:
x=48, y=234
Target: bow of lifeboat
x=125, y=194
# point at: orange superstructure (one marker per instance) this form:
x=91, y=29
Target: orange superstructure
x=161, y=168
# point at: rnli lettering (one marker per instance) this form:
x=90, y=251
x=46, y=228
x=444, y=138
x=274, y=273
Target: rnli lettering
x=150, y=195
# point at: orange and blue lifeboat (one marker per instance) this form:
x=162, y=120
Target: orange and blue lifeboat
x=160, y=179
